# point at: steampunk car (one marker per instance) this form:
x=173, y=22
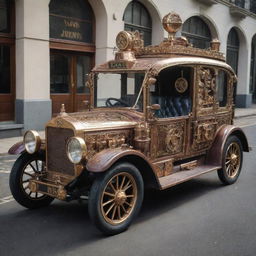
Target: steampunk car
x=157, y=116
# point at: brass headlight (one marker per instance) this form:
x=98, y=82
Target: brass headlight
x=32, y=141
x=76, y=149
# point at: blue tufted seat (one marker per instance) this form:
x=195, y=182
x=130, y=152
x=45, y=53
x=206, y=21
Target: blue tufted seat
x=172, y=106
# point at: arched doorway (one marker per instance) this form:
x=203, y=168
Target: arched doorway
x=253, y=70
x=197, y=32
x=137, y=17
x=7, y=60
x=233, y=53
x=72, y=49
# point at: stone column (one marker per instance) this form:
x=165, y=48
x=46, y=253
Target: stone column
x=243, y=96
x=33, y=104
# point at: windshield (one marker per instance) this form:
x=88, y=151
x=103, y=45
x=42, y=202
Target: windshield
x=119, y=90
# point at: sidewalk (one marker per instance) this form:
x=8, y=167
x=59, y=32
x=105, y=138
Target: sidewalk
x=5, y=144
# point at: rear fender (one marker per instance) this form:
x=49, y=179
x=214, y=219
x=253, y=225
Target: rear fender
x=215, y=154
x=103, y=160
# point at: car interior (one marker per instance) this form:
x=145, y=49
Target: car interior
x=172, y=91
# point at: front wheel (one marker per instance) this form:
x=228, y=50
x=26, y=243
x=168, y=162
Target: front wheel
x=232, y=161
x=115, y=198
x=26, y=167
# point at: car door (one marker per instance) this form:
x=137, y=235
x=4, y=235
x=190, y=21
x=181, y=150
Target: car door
x=204, y=124
x=173, y=91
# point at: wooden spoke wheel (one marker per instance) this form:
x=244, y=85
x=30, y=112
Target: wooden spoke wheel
x=119, y=198
x=232, y=161
x=115, y=198
x=25, y=168
x=30, y=170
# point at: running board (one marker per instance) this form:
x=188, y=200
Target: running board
x=182, y=176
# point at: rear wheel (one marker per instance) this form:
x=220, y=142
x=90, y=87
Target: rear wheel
x=26, y=167
x=232, y=161
x=115, y=198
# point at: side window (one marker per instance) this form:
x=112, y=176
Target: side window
x=221, y=88
x=172, y=92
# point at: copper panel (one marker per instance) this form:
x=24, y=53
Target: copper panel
x=57, y=159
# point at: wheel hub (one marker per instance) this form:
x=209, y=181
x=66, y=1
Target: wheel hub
x=120, y=197
x=233, y=159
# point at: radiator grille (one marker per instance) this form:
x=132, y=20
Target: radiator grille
x=57, y=159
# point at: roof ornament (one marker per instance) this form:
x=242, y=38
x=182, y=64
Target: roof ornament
x=215, y=45
x=172, y=23
x=62, y=110
x=127, y=42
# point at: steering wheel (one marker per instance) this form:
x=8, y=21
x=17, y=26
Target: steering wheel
x=118, y=103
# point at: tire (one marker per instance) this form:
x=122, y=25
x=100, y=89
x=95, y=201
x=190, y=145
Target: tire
x=22, y=171
x=121, y=189
x=232, y=161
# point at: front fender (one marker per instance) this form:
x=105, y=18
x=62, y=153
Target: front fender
x=215, y=154
x=17, y=148
x=103, y=160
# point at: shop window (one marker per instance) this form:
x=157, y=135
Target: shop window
x=4, y=16
x=71, y=20
x=60, y=73
x=5, y=69
x=197, y=32
x=7, y=61
x=136, y=17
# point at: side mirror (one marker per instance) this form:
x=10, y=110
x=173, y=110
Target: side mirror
x=151, y=80
x=151, y=111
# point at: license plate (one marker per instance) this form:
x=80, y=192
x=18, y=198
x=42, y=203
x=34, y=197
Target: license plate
x=52, y=191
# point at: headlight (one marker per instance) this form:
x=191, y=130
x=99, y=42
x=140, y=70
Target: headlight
x=32, y=141
x=76, y=149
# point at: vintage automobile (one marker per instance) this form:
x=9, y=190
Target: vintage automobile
x=157, y=116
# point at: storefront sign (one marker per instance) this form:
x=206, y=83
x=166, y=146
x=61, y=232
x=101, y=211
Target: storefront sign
x=70, y=29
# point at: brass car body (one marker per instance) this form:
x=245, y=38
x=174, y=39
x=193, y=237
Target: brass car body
x=168, y=150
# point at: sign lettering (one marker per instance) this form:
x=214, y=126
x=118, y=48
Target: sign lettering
x=71, y=35
x=117, y=65
x=70, y=29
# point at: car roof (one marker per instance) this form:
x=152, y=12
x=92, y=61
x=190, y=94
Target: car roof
x=158, y=64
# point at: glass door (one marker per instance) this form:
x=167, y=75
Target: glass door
x=68, y=78
x=7, y=94
x=7, y=60
x=83, y=66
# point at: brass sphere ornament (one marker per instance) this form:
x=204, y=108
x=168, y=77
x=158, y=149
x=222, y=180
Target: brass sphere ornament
x=124, y=40
x=172, y=23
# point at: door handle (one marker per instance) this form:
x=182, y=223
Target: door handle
x=72, y=80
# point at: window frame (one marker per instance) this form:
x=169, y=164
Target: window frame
x=69, y=45
x=131, y=26
x=199, y=37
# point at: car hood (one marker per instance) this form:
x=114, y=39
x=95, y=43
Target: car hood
x=98, y=119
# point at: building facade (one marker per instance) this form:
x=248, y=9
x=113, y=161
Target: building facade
x=47, y=47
